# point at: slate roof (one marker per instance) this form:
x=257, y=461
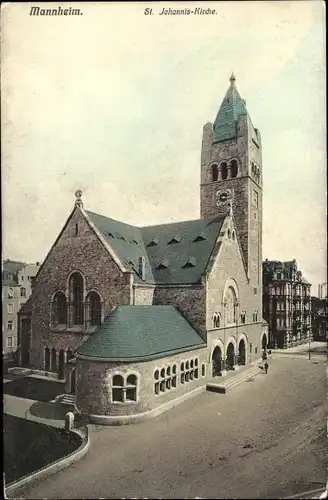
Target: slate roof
x=173, y=253
x=141, y=333
x=232, y=107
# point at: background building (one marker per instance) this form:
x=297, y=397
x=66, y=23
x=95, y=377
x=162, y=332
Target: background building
x=16, y=288
x=319, y=318
x=286, y=304
x=322, y=290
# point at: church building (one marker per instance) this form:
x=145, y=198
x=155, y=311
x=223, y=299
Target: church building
x=137, y=318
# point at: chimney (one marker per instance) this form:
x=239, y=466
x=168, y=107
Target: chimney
x=142, y=268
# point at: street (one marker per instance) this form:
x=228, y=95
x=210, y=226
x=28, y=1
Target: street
x=267, y=438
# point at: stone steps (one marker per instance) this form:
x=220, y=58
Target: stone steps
x=66, y=399
x=234, y=380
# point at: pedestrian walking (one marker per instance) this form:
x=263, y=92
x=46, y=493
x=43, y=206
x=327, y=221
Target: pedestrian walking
x=266, y=366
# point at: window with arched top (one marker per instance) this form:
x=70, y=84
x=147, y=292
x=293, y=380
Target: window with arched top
x=233, y=235
x=231, y=305
x=229, y=234
x=215, y=173
x=59, y=309
x=10, y=293
x=224, y=171
x=76, y=288
x=217, y=321
x=93, y=304
x=76, y=229
x=234, y=168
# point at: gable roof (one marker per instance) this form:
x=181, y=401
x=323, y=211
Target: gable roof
x=166, y=248
x=141, y=333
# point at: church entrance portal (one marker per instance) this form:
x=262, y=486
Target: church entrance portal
x=242, y=353
x=230, y=356
x=216, y=361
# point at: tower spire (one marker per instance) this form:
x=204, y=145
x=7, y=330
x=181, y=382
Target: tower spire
x=232, y=78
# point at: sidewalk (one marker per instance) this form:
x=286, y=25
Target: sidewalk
x=303, y=348
x=52, y=414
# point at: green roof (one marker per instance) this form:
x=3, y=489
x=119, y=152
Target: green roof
x=173, y=253
x=141, y=333
x=232, y=108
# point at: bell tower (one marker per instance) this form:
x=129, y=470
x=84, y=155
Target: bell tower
x=231, y=172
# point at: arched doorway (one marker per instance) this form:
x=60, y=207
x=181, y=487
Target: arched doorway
x=53, y=360
x=264, y=342
x=216, y=361
x=61, y=364
x=242, y=352
x=230, y=356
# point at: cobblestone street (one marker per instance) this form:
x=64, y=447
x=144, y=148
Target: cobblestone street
x=264, y=439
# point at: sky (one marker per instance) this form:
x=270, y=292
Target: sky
x=113, y=102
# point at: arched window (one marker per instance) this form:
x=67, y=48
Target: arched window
x=117, y=389
x=233, y=235
x=76, y=229
x=10, y=293
x=23, y=292
x=215, y=173
x=234, y=168
x=122, y=392
x=231, y=306
x=59, y=309
x=224, y=171
x=217, y=321
x=94, y=309
x=77, y=294
x=131, y=389
x=229, y=234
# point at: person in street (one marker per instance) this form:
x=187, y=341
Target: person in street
x=266, y=366
x=264, y=355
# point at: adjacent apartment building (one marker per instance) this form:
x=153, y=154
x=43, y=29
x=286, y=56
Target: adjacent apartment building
x=16, y=288
x=286, y=304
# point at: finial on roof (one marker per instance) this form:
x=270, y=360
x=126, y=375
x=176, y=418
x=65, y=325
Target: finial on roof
x=232, y=78
x=78, y=201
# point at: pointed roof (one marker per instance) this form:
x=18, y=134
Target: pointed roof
x=232, y=107
x=165, y=260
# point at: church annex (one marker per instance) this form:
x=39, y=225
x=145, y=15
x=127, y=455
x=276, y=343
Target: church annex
x=136, y=317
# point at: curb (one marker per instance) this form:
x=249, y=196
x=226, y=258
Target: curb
x=142, y=417
x=54, y=467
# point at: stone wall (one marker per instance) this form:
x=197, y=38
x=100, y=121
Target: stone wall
x=189, y=300
x=142, y=295
x=94, y=383
x=84, y=253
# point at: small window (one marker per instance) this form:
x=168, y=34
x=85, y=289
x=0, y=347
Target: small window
x=255, y=291
x=10, y=325
x=10, y=293
x=9, y=341
x=23, y=292
x=76, y=229
x=224, y=171
x=156, y=374
x=215, y=173
x=255, y=349
x=203, y=370
x=234, y=168
x=163, y=372
x=10, y=308
x=229, y=234
x=233, y=235
x=250, y=347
